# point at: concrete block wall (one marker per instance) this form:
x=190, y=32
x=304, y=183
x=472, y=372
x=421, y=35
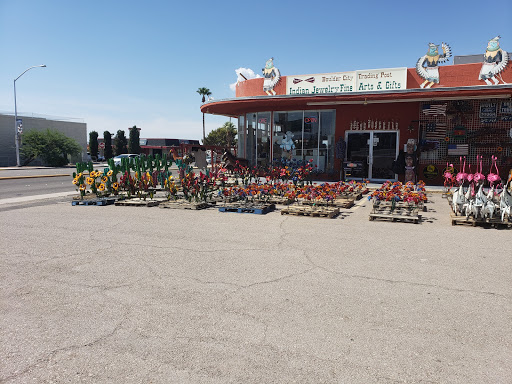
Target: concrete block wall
x=73, y=130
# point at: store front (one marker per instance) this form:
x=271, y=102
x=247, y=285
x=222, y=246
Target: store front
x=372, y=117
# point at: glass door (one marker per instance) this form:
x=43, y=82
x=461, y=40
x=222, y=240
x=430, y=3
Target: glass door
x=383, y=152
x=373, y=152
x=358, y=154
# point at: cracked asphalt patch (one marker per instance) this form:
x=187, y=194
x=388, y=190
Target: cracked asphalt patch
x=146, y=295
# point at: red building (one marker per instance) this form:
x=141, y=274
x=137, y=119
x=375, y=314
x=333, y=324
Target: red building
x=369, y=117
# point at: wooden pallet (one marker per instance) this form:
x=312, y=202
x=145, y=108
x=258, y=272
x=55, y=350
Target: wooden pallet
x=344, y=203
x=137, y=203
x=471, y=221
x=401, y=205
x=227, y=201
x=337, y=203
x=399, y=213
x=277, y=200
x=180, y=204
x=93, y=202
x=351, y=195
x=298, y=210
x=256, y=209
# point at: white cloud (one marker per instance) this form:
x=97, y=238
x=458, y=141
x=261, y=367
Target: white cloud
x=247, y=73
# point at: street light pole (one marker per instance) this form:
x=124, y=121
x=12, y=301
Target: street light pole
x=17, y=128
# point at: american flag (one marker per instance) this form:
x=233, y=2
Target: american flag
x=435, y=131
x=434, y=109
x=458, y=149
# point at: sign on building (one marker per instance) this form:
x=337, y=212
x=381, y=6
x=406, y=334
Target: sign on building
x=346, y=82
x=389, y=79
x=339, y=82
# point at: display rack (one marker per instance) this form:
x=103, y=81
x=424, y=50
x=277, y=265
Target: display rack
x=450, y=129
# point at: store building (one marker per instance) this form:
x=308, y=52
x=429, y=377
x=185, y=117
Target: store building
x=157, y=146
x=164, y=146
x=368, y=116
x=73, y=128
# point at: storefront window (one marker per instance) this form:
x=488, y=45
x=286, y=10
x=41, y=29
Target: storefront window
x=311, y=132
x=326, y=143
x=297, y=136
x=263, y=139
x=250, y=148
x=305, y=136
x=241, y=136
x=287, y=135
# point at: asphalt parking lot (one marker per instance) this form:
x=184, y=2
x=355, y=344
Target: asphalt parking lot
x=147, y=295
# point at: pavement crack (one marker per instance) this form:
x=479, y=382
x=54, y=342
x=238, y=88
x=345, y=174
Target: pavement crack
x=186, y=249
x=282, y=237
x=103, y=287
x=412, y=283
x=210, y=282
x=281, y=278
x=53, y=353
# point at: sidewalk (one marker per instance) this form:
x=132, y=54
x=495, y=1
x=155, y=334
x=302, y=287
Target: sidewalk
x=28, y=172
x=24, y=199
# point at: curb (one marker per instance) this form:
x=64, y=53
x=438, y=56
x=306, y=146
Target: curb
x=31, y=177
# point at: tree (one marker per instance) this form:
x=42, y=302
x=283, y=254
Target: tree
x=107, y=140
x=205, y=92
x=224, y=136
x=120, y=143
x=93, y=144
x=134, y=142
x=51, y=146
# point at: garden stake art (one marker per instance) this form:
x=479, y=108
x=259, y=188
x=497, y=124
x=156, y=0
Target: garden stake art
x=480, y=197
x=289, y=181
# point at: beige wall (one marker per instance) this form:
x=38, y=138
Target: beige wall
x=71, y=129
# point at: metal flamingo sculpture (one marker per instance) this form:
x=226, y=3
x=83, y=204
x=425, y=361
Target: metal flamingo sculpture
x=506, y=200
x=458, y=194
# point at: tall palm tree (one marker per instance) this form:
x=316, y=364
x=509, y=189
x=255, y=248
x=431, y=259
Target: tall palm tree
x=205, y=92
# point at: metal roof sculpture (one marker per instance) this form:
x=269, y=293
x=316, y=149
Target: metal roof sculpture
x=426, y=66
x=495, y=62
x=271, y=77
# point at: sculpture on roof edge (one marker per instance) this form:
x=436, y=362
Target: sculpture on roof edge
x=426, y=66
x=495, y=62
x=271, y=77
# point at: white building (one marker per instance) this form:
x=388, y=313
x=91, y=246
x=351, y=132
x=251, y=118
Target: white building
x=73, y=128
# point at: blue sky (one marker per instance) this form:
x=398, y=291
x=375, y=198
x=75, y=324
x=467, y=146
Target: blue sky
x=116, y=64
